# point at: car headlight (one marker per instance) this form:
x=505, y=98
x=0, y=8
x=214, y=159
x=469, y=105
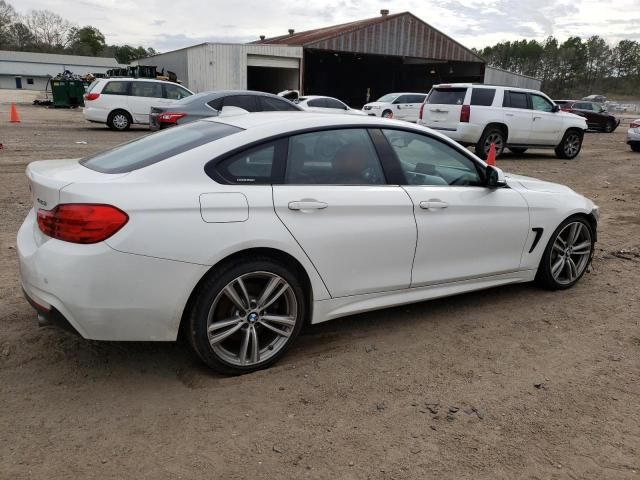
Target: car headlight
x=375, y=107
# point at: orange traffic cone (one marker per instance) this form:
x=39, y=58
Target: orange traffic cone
x=14, y=117
x=491, y=157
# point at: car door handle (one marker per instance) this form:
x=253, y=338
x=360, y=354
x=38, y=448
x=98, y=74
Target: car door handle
x=433, y=205
x=307, y=205
x=537, y=118
x=508, y=114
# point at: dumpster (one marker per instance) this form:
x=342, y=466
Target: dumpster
x=67, y=92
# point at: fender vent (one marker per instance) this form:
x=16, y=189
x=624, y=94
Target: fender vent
x=538, y=232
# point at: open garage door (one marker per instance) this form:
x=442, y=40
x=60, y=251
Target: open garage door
x=272, y=74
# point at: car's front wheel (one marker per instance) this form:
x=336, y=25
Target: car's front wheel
x=567, y=255
x=246, y=316
x=570, y=145
x=387, y=114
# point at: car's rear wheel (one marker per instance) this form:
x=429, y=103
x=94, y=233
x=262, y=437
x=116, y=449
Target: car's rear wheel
x=567, y=255
x=609, y=127
x=491, y=135
x=570, y=145
x=246, y=316
x=119, y=120
x=387, y=114
x=518, y=150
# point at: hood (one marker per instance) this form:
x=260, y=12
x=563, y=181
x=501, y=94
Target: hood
x=536, y=185
x=376, y=104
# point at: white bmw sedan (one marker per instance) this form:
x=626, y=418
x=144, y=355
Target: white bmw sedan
x=240, y=230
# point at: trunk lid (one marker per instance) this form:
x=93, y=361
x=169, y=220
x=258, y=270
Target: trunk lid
x=48, y=177
x=443, y=107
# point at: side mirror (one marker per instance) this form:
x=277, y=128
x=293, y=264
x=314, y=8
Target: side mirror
x=495, y=177
x=556, y=108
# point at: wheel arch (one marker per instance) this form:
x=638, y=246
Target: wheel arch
x=246, y=254
x=502, y=126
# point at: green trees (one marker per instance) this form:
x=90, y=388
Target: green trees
x=573, y=68
x=46, y=31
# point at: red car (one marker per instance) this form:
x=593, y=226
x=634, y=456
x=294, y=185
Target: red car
x=596, y=115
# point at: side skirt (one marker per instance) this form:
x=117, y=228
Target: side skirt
x=325, y=310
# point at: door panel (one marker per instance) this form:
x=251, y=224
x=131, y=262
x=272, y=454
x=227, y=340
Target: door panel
x=361, y=239
x=143, y=96
x=547, y=125
x=466, y=232
x=518, y=116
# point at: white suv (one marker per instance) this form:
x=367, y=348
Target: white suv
x=509, y=117
x=119, y=102
x=401, y=106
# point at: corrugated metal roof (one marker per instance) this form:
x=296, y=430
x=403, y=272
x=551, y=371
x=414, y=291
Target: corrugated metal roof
x=400, y=34
x=57, y=59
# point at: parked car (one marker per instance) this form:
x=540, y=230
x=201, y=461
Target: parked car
x=508, y=117
x=211, y=104
x=598, y=118
x=242, y=229
x=633, y=135
x=595, y=98
x=121, y=102
x=318, y=103
x=401, y=106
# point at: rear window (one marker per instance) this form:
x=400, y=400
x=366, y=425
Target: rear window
x=483, y=96
x=156, y=147
x=447, y=96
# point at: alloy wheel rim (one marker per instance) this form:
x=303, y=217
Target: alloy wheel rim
x=496, y=139
x=252, y=318
x=572, y=145
x=570, y=253
x=120, y=121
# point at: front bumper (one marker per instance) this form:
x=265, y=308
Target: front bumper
x=102, y=293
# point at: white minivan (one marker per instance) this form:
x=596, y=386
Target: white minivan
x=401, y=106
x=119, y=102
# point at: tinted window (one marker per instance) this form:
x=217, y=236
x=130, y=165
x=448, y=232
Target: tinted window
x=402, y=99
x=269, y=104
x=246, y=102
x=316, y=102
x=217, y=103
x=515, y=100
x=116, y=88
x=333, y=157
x=483, y=96
x=252, y=166
x=541, y=104
x=427, y=161
x=333, y=103
x=146, y=89
x=416, y=98
x=583, y=106
x=156, y=147
x=447, y=96
x=388, y=98
x=175, y=92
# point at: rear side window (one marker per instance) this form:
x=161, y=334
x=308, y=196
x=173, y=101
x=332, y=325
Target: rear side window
x=316, y=102
x=246, y=102
x=156, y=147
x=483, y=96
x=254, y=166
x=447, y=96
x=146, y=89
x=332, y=103
x=217, y=103
x=268, y=104
x=116, y=88
x=515, y=100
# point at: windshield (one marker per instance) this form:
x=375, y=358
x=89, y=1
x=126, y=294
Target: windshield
x=388, y=98
x=156, y=147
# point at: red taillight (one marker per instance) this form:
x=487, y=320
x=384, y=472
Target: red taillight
x=465, y=113
x=81, y=222
x=91, y=96
x=170, y=117
x=565, y=109
x=421, y=110
x=635, y=125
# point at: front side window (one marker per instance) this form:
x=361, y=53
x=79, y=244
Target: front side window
x=388, y=98
x=156, y=147
x=175, y=92
x=116, y=88
x=146, y=89
x=402, y=99
x=246, y=102
x=333, y=157
x=427, y=161
x=416, y=98
x=541, y=104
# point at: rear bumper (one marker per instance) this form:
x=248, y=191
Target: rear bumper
x=95, y=114
x=102, y=293
x=633, y=136
x=464, y=133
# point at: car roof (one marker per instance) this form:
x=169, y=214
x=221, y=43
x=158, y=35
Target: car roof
x=484, y=85
x=131, y=79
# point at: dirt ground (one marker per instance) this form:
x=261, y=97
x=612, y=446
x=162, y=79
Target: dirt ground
x=507, y=383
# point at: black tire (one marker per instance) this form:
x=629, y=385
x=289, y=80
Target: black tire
x=635, y=147
x=210, y=294
x=570, y=145
x=609, y=127
x=518, y=150
x=119, y=120
x=387, y=114
x=545, y=277
x=491, y=135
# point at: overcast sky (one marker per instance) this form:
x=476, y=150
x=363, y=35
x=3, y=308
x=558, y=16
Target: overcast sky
x=171, y=24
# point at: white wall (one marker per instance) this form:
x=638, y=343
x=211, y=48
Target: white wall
x=496, y=76
x=9, y=82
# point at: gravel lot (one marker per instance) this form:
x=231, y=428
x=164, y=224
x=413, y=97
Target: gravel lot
x=508, y=383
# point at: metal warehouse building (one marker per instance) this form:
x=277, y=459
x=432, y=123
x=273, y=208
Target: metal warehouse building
x=31, y=71
x=355, y=61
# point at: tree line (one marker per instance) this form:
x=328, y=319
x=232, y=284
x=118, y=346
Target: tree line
x=573, y=68
x=47, y=32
